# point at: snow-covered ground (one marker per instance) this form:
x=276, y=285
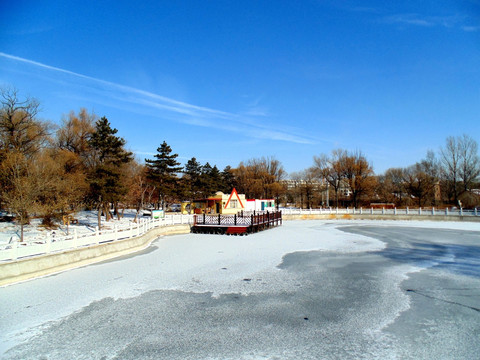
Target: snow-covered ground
x=87, y=221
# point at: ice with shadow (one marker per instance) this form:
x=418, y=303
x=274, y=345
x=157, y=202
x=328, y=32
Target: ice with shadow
x=460, y=259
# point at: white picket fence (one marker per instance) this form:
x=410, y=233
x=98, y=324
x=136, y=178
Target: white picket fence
x=16, y=250
x=371, y=211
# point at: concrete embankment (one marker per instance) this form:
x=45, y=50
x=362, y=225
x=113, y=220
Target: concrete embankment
x=25, y=269
x=380, y=217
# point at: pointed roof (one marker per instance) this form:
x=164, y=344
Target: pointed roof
x=234, y=191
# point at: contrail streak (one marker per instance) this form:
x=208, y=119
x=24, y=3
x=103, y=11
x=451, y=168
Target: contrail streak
x=229, y=121
x=122, y=87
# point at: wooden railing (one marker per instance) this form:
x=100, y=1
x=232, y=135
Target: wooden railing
x=240, y=219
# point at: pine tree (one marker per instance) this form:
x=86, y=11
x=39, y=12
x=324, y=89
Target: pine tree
x=162, y=172
x=206, y=188
x=228, y=180
x=210, y=180
x=109, y=157
x=215, y=179
x=193, y=171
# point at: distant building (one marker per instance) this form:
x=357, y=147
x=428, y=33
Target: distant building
x=222, y=203
x=315, y=192
x=260, y=205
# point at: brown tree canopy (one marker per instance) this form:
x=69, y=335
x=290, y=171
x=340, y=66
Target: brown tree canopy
x=20, y=130
x=19, y=189
x=346, y=169
x=260, y=178
x=76, y=131
x=391, y=187
x=61, y=188
x=330, y=169
x=359, y=175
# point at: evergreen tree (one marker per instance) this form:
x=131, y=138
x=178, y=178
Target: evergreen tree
x=228, y=180
x=215, y=179
x=206, y=188
x=210, y=180
x=193, y=171
x=109, y=156
x=162, y=172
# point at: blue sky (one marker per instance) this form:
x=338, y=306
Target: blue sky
x=226, y=81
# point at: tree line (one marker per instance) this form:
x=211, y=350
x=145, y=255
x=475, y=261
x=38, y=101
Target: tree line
x=52, y=171
x=449, y=177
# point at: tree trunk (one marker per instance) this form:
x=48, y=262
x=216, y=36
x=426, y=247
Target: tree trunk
x=136, y=214
x=99, y=216
x=115, y=211
x=107, y=212
x=354, y=198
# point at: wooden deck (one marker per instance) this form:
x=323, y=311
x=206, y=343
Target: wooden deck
x=240, y=224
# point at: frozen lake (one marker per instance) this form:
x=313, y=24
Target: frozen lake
x=306, y=290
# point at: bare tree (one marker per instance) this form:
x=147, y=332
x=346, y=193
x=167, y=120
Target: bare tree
x=451, y=160
x=305, y=189
x=331, y=169
x=261, y=178
x=139, y=190
x=61, y=187
x=19, y=190
x=295, y=192
x=420, y=180
x=391, y=186
x=19, y=128
x=22, y=136
x=274, y=187
x=75, y=133
x=461, y=164
x=358, y=174
x=469, y=161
